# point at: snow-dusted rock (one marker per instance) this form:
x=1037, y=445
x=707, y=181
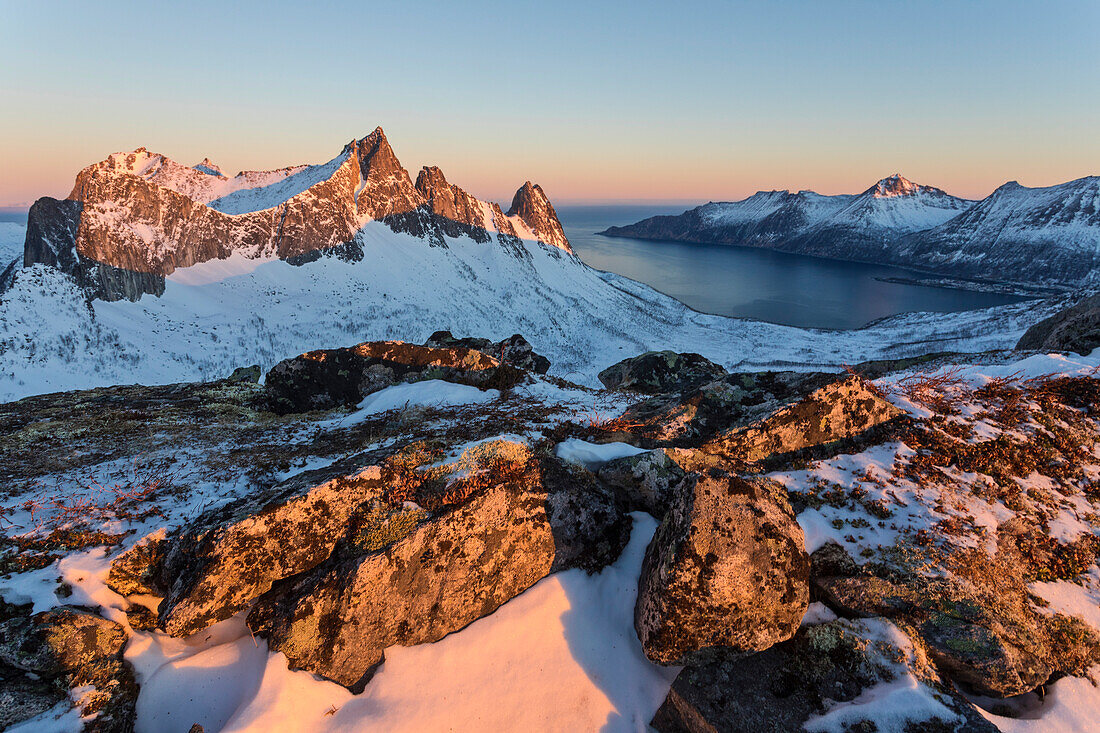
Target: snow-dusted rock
x=828, y=677
x=413, y=579
x=329, y=378
x=727, y=568
x=65, y=648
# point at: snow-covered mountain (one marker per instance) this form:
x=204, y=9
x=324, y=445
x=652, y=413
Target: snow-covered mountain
x=852, y=226
x=1033, y=236
x=136, y=217
x=1048, y=235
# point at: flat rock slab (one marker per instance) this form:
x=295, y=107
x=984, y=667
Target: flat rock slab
x=726, y=568
x=701, y=411
x=842, y=411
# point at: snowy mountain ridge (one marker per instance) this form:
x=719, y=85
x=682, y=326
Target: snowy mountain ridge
x=1047, y=236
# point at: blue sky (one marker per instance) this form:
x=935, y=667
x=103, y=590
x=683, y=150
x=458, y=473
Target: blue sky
x=595, y=100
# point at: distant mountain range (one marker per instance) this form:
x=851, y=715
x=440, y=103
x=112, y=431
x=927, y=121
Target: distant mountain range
x=1032, y=236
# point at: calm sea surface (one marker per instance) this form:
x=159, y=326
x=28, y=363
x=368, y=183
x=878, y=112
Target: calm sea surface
x=756, y=283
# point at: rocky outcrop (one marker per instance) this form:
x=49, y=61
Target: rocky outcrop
x=228, y=557
x=657, y=372
x=514, y=351
x=783, y=688
x=44, y=655
x=727, y=568
x=702, y=412
x=320, y=380
x=842, y=411
x=1076, y=329
x=437, y=574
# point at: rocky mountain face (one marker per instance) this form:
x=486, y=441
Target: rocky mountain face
x=1036, y=236
x=136, y=217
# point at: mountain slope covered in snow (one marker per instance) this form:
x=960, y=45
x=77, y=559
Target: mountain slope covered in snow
x=1032, y=236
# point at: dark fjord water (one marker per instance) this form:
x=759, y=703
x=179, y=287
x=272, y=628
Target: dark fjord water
x=796, y=290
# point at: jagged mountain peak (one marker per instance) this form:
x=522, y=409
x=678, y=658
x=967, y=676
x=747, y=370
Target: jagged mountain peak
x=210, y=168
x=899, y=185
x=532, y=206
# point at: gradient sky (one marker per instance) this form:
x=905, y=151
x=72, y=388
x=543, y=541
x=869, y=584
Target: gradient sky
x=594, y=100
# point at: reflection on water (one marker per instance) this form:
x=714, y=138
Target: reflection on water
x=757, y=283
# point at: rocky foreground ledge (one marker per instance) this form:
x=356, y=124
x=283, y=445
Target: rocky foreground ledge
x=825, y=540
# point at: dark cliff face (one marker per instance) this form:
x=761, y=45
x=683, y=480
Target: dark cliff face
x=52, y=227
x=136, y=217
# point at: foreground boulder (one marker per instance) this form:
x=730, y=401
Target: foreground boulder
x=434, y=575
x=321, y=380
x=656, y=372
x=841, y=412
x=727, y=568
x=1076, y=329
x=228, y=557
x=790, y=684
x=44, y=655
x=515, y=350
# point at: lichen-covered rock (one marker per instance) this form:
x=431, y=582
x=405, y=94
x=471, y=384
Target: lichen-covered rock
x=320, y=380
x=440, y=575
x=994, y=645
x=137, y=570
x=656, y=372
x=726, y=568
x=1076, y=329
x=515, y=350
x=842, y=411
x=66, y=648
x=788, y=685
x=644, y=482
x=246, y=374
x=228, y=557
x=701, y=411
